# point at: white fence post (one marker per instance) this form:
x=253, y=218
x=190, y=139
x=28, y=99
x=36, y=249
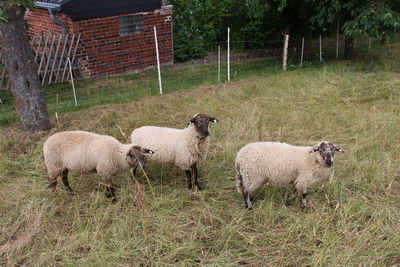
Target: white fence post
x=72, y=80
x=320, y=48
x=285, y=50
x=229, y=62
x=158, y=61
x=337, y=40
x=369, y=43
x=219, y=63
x=302, y=52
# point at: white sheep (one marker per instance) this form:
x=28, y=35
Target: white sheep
x=183, y=148
x=82, y=152
x=279, y=164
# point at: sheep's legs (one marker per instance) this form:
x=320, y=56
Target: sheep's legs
x=303, y=201
x=189, y=178
x=135, y=171
x=189, y=174
x=64, y=178
x=195, y=173
x=53, y=183
x=110, y=191
x=247, y=200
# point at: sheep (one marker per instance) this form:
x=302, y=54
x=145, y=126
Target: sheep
x=81, y=152
x=183, y=148
x=280, y=164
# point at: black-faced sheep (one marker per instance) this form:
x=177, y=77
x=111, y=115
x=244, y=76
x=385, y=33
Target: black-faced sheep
x=183, y=148
x=80, y=152
x=280, y=164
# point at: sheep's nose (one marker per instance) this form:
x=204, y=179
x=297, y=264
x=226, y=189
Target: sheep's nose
x=329, y=163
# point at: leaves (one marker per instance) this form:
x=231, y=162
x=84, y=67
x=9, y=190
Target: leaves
x=375, y=18
x=6, y=4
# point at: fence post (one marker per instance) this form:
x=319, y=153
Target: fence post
x=219, y=63
x=320, y=48
x=285, y=50
x=337, y=40
x=158, y=61
x=43, y=54
x=55, y=59
x=39, y=45
x=68, y=54
x=72, y=80
x=61, y=57
x=48, y=59
x=369, y=43
x=355, y=42
x=302, y=52
x=229, y=62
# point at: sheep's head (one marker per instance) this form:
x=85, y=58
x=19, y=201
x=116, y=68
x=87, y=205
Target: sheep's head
x=137, y=156
x=200, y=122
x=326, y=151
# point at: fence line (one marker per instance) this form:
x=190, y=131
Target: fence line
x=51, y=60
x=51, y=53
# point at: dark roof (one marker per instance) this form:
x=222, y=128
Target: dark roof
x=53, y=4
x=85, y=9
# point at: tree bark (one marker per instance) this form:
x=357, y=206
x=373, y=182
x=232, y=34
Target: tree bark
x=349, y=51
x=22, y=69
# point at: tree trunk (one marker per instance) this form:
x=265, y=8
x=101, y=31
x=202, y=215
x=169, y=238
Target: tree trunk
x=349, y=51
x=22, y=69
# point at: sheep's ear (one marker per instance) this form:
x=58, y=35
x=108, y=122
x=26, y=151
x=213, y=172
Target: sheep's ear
x=133, y=151
x=147, y=151
x=192, y=120
x=213, y=120
x=338, y=148
x=315, y=149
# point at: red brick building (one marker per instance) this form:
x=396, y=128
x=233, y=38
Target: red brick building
x=116, y=35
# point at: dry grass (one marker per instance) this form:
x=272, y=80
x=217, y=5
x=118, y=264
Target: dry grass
x=353, y=221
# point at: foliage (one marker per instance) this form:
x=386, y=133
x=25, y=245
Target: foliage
x=199, y=23
x=4, y=4
x=196, y=23
x=375, y=18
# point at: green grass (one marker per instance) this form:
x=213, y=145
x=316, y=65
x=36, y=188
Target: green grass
x=122, y=89
x=354, y=221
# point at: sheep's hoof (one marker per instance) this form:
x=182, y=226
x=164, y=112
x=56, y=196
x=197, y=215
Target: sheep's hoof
x=114, y=200
x=198, y=187
x=52, y=185
x=109, y=194
x=303, y=207
x=248, y=207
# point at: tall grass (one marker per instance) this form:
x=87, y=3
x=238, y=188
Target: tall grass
x=353, y=221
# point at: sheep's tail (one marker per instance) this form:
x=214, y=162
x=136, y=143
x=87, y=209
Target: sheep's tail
x=239, y=180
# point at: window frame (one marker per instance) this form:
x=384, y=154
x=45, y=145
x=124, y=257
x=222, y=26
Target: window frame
x=131, y=24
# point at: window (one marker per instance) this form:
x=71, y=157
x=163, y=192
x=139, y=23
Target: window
x=129, y=25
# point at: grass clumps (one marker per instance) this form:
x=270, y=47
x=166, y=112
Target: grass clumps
x=353, y=221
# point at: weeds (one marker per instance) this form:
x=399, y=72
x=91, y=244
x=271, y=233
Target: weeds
x=351, y=222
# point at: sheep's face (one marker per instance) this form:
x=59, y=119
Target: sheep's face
x=137, y=156
x=200, y=122
x=326, y=151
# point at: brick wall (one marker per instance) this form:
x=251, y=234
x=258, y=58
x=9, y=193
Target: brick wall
x=40, y=20
x=103, y=51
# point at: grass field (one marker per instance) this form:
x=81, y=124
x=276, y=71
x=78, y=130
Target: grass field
x=354, y=221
